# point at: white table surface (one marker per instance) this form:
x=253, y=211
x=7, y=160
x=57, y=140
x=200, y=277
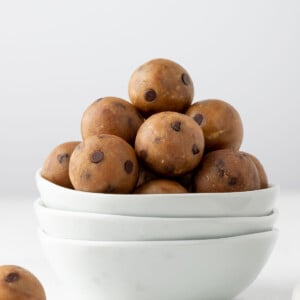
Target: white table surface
x=19, y=246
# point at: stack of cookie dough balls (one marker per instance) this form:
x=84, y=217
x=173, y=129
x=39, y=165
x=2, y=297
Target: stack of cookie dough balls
x=161, y=142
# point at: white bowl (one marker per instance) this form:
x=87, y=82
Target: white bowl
x=217, y=269
x=252, y=203
x=99, y=227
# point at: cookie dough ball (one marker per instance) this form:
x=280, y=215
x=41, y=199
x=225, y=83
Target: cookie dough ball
x=56, y=166
x=111, y=115
x=170, y=143
x=17, y=283
x=161, y=186
x=105, y=164
x=226, y=171
x=161, y=85
x=260, y=169
x=221, y=124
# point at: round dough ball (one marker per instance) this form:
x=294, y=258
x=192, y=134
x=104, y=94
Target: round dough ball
x=161, y=186
x=226, y=171
x=111, y=115
x=17, y=283
x=260, y=169
x=161, y=85
x=56, y=166
x=221, y=124
x=170, y=143
x=105, y=164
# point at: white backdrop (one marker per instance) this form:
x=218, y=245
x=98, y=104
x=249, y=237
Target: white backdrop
x=58, y=56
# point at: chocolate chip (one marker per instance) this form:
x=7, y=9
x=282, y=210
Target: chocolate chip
x=97, y=157
x=176, y=125
x=62, y=157
x=232, y=181
x=150, y=95
x=128, y=166
x=220, y=165
x=143, y=154
x=98, y=100
x=185, y=79
x=12, y=277
x=198, y=118
x=195, y=149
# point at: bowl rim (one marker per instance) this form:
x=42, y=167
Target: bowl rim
x=39, y=177
x=40, y=206
x=264, y=234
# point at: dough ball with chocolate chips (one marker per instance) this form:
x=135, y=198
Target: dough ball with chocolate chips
x=56, y=166
x=260, y=169
x=170, y=143
x=111, y=115
x=221, y=124
x=17, y=283
x=226, y=171
x=105, y=164
x=161, y=186
x=161, y=85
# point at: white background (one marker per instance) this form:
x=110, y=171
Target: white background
x=58, y=56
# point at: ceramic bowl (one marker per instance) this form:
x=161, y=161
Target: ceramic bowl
x=99, y=227
x=200, y=269
x=252, y=203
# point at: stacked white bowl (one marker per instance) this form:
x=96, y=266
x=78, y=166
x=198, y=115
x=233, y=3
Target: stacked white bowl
x=163, y=247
